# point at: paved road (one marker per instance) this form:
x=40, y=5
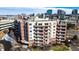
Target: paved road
x=75, y=48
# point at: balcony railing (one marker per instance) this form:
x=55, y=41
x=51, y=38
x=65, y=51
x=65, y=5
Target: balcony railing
x=41, y=25
x=60, y=30
x=60, y=36
x=61, y=27
x=37, y=29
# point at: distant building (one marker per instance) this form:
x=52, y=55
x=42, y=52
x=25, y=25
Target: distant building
x=49, y=12
x=42, y=15
x=75, y=12
x=61, y=14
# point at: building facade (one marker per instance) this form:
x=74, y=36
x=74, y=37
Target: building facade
x=42, y=31
x=74, y=11
x=61, y=14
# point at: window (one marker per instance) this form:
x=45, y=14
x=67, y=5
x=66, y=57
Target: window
x=46, y=27
x=40, y=31
x=41, y=27
x=62, y=32
x=46, y=40
x=30, y=30
x=40, y=24
x=30, y=23
x=41, y=40
x=45, y=36
x=63, y=29
x=53, y=29
x=46, y=23
x=53, y=32
x=54, y=26
x=41, y=37
x=63, y=26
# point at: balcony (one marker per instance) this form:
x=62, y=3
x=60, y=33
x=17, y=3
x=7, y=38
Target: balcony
x=38, y=42
x=61, y=27
x=42, y=26
x=61, y=36
x=37, y=29
x=61, y=39
x=38, y=39
x=38, y=26
x=60, y=30
x=38, y=32
x=38, y=36
x=46, y=28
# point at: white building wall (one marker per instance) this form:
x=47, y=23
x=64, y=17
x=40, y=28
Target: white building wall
x=53, y=29
x=51, y=32
x=31, y=32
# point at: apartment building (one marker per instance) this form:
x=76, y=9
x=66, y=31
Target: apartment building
x=42, y=31
x=61, y=30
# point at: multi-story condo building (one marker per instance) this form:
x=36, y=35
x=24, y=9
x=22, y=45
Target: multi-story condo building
x=42, y=31
x=74, y=11
x=61, y=30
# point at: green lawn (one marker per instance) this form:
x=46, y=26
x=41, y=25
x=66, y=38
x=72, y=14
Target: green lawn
x=60, y=48
x=36, y=49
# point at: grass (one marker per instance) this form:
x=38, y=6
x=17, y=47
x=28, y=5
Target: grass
x=36, y=49
x=60, y=48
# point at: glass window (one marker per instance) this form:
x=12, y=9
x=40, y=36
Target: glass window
x=40, y=24
x=30, y=30
x=30, y=23
x=46, y=23
x=53, y=32
x=41, y=27
x=54, y=26
x=53, y=29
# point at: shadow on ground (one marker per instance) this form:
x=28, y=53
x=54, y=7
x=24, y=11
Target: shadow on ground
x=6, y=44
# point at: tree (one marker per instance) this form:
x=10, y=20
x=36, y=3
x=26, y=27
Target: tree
x=75, y=37
x=67, y=43
x=62, y=47
x=69, y=25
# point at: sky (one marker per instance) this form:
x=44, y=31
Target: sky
x=30, y=10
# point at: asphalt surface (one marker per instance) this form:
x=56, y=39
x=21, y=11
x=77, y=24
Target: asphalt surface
x=74, y=48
